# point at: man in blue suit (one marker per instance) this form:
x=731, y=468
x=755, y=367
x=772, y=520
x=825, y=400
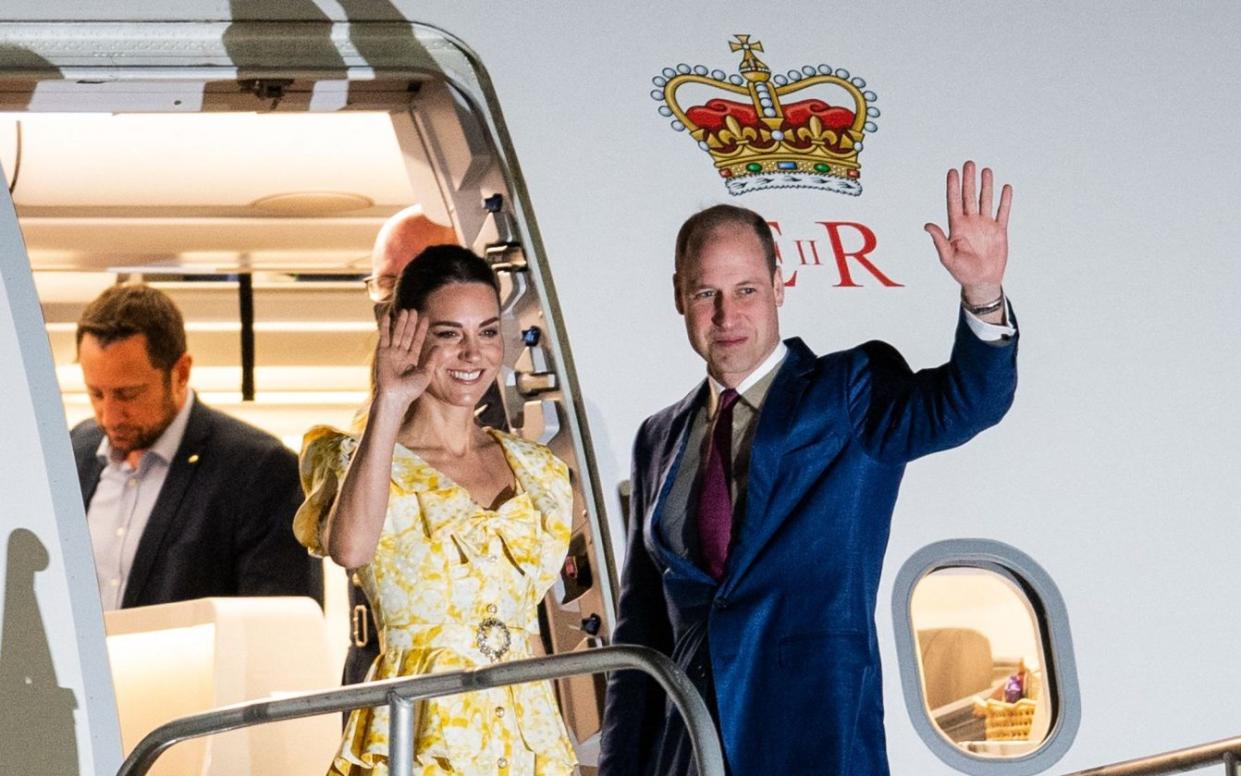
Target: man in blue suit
x=762, y=501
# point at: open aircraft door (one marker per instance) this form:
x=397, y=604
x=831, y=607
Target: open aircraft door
x=447, y=121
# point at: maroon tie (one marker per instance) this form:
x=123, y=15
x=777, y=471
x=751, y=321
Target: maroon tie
x=715, y=501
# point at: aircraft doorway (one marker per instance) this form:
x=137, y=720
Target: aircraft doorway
x=259, y=183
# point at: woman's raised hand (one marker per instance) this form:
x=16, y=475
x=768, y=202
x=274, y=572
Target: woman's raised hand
x=401, y=370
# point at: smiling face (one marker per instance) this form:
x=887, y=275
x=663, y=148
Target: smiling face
x=729, y=299
x=464, y=326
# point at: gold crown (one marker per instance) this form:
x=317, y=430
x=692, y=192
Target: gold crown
x=769, y=141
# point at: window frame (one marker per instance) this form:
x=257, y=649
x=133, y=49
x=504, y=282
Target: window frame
x=1051, y=616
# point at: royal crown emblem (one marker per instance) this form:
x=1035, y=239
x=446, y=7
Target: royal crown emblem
x=770, y=139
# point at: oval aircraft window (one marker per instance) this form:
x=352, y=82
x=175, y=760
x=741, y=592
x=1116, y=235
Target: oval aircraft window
x=981, y=659
x=985, y=657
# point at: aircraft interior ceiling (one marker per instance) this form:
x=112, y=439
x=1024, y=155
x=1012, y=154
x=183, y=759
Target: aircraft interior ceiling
x=186, y=202
x=208, y=193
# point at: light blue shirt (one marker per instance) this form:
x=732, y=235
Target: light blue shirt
x=122, y=504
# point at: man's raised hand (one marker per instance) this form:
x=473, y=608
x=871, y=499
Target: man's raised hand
x=975, y=250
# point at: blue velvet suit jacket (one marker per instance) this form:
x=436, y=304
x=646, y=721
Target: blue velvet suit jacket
x=784, y=645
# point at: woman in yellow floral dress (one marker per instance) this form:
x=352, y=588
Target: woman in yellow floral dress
x=455, y=532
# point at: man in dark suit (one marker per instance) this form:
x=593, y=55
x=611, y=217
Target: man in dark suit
x=182, y=501
x=762, y=501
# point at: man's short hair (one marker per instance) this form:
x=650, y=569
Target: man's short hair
x=699, y=228
x=123, y=311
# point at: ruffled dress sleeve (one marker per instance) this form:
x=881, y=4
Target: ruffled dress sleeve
x=556, y=505
x=325, y=456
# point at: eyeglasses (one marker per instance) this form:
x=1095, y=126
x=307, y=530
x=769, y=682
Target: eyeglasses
x=380, y=287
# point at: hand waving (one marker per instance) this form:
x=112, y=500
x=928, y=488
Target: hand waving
x=975, y=249
x=399, y=374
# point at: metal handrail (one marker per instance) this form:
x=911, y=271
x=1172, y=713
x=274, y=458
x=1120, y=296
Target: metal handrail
x=400, y=694
x=1227, y=751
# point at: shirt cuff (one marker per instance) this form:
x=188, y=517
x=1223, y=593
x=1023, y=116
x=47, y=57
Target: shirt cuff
x=991, y=332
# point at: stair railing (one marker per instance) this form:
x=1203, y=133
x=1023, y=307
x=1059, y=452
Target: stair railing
x=401, y=694
x=1227, y=751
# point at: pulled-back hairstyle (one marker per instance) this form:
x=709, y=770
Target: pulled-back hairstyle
x=123, y=311
x=699, y=228
x=436, y=267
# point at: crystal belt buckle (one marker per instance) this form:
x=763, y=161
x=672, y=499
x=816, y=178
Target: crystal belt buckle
x=493, y=638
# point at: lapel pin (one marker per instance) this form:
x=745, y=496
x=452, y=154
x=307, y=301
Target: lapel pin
x=193, y=458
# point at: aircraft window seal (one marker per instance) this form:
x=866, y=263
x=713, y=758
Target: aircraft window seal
x=986, y=658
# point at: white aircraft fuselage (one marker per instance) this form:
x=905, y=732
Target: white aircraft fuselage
x=1112, y=472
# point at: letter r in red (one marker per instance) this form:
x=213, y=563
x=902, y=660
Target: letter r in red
x=842, y=256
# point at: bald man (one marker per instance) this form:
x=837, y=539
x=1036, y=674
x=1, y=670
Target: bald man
x=400, y=239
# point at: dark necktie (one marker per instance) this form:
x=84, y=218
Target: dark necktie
x=715, y=501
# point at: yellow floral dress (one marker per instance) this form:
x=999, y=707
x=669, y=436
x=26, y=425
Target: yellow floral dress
x=454, y=586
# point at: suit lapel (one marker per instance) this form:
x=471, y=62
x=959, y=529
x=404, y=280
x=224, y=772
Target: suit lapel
x=666, y=462
x=164, y=514
x=776, y=419
x=90, y=468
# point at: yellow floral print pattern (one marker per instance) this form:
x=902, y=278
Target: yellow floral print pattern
x=444, y=566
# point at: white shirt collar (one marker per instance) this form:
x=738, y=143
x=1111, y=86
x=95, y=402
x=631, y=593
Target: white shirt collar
x=165, y=448
x=763, y=369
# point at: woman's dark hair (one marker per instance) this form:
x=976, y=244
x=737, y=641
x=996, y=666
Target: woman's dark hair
x=436, y=267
